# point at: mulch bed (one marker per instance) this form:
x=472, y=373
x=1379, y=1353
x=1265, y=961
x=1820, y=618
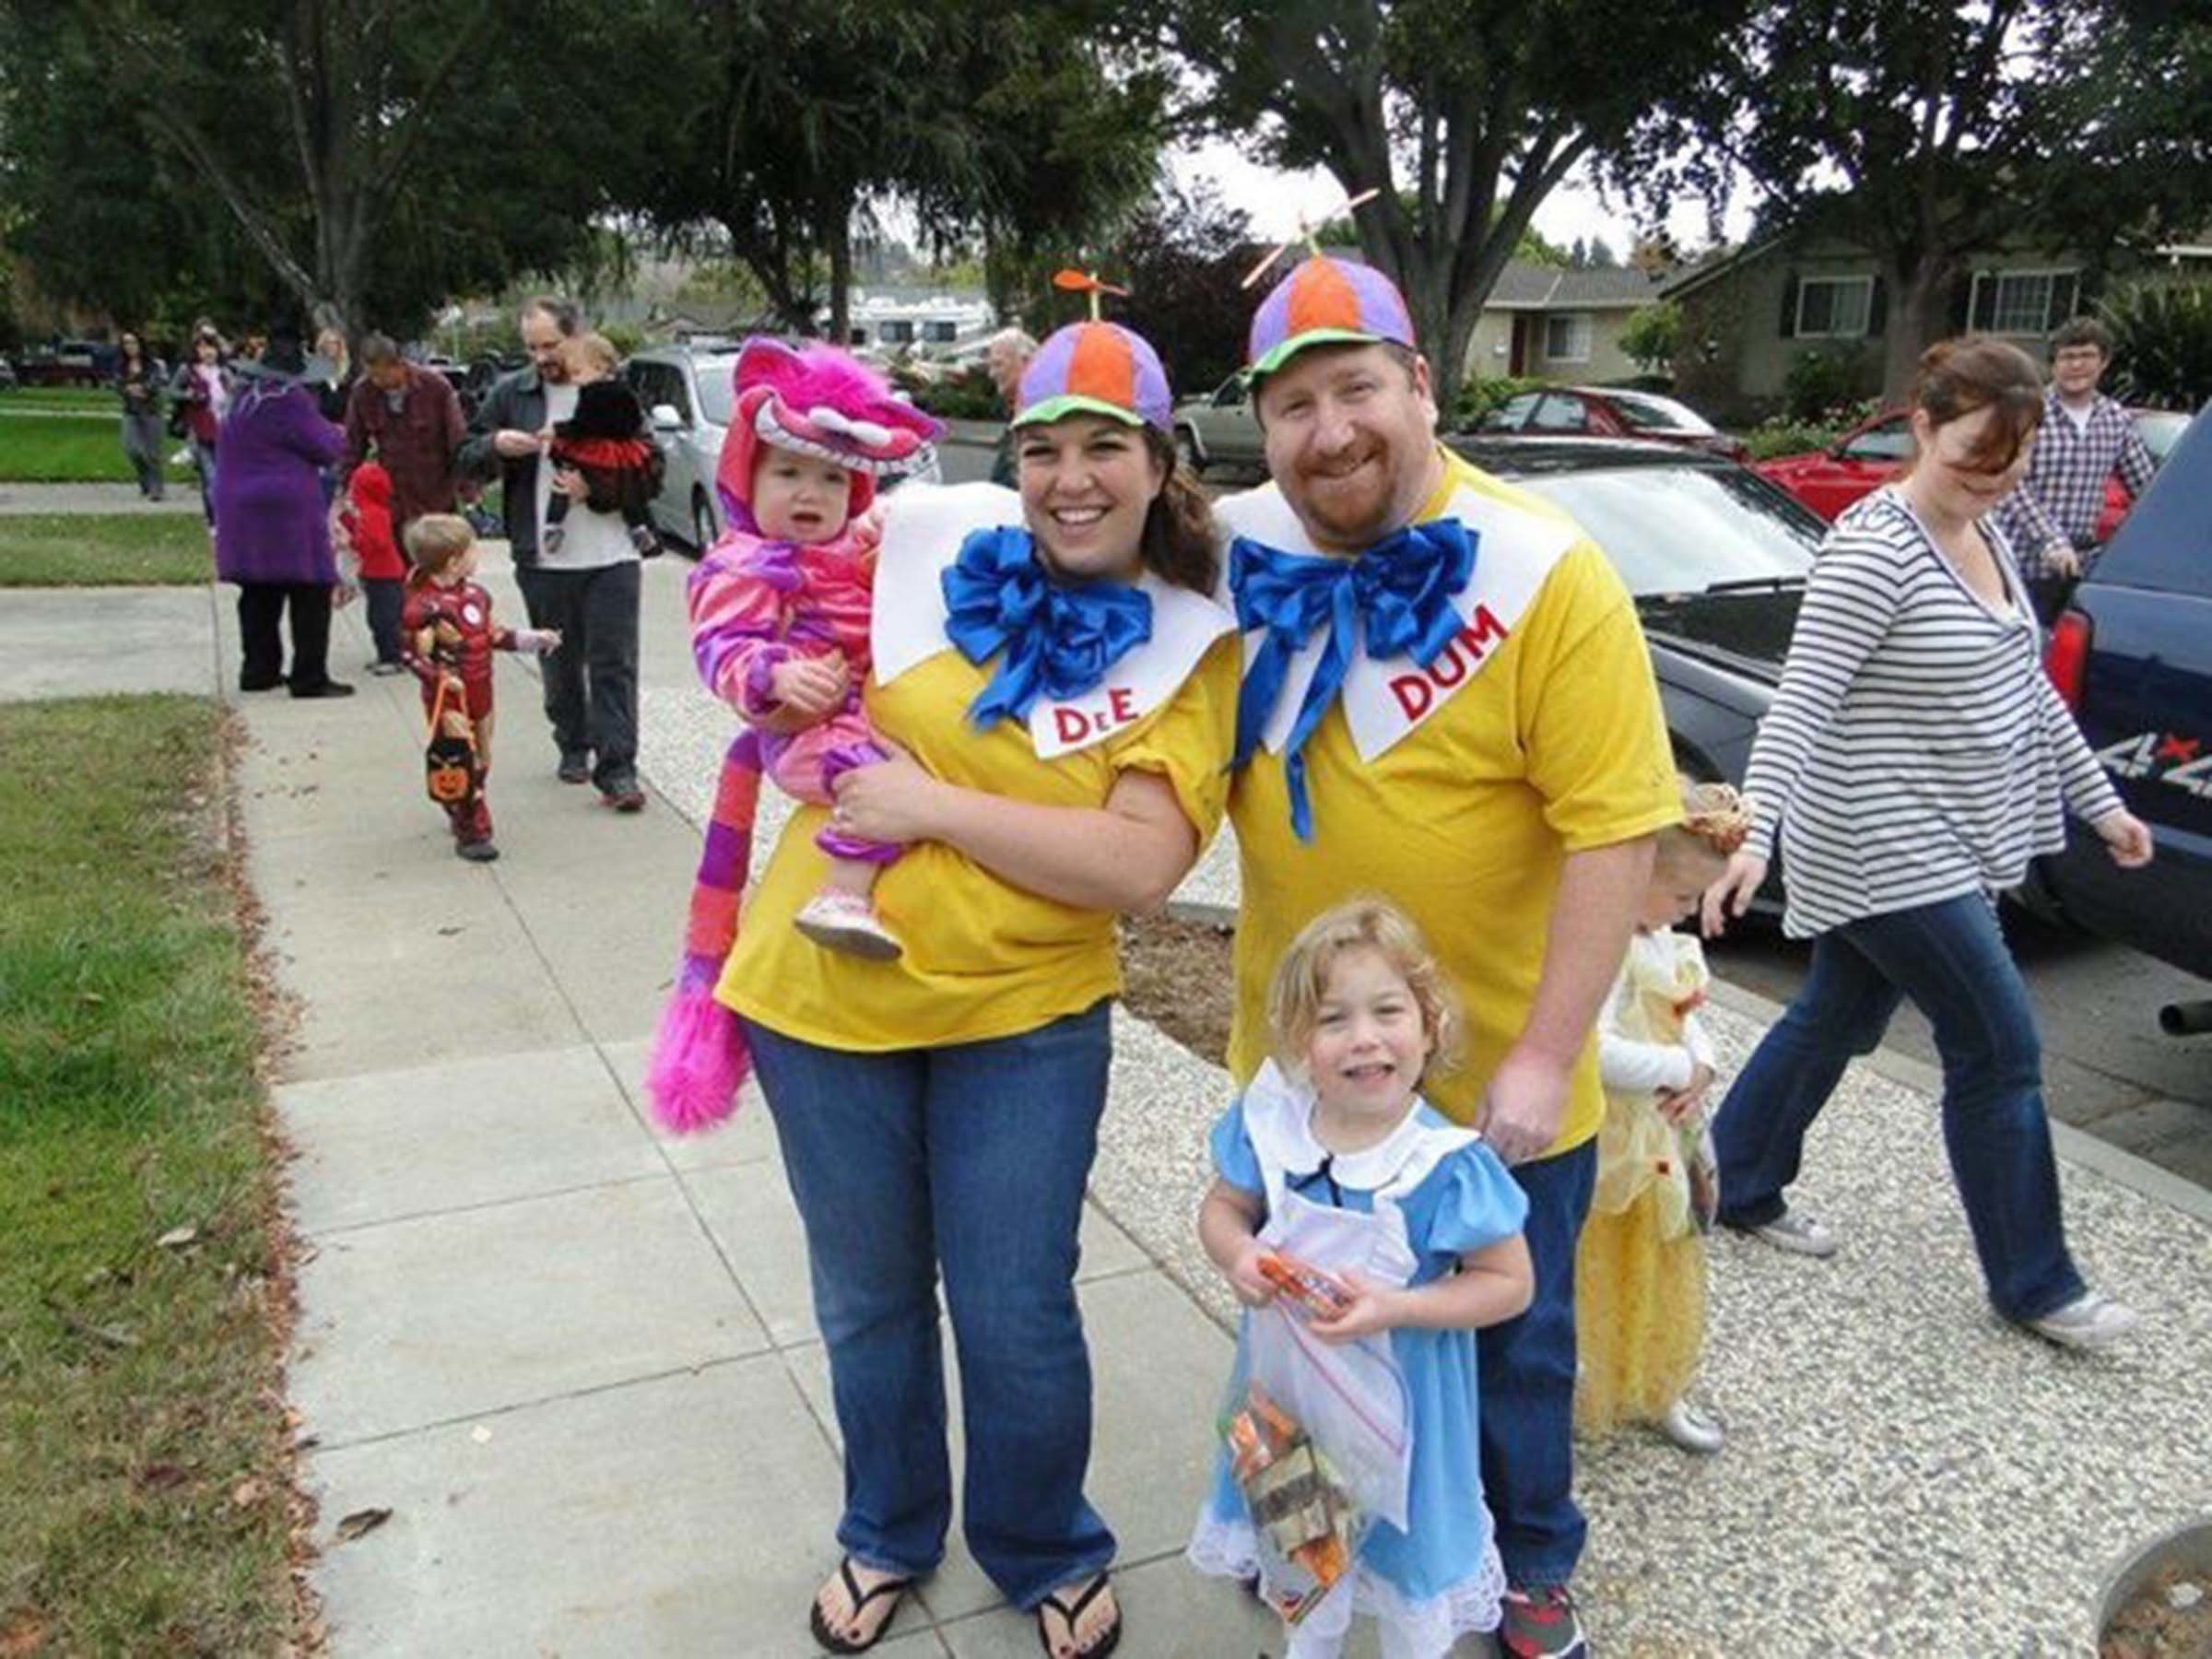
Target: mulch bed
x=1178, y=977
x=2151, y=1627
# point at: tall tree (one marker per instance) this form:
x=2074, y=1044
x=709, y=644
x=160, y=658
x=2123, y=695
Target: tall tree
x=1181, y=258
x=1466, y=114
x=792, y=124
x=370, y=155
x=1928, y=131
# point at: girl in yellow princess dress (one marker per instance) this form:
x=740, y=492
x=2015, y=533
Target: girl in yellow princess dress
x=1640, y=1271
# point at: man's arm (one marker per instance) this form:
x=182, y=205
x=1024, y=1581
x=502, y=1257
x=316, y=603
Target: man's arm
x=2038, y=546
x=1601, y=890
x=2135, y=464
x=475, y=457
x=357, y=436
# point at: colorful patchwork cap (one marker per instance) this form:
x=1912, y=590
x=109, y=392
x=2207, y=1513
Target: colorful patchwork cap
x=1326, y=301
x=1096, y=368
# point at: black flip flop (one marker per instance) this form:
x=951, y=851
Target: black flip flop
x=1105, y=1644
x=895, y=1588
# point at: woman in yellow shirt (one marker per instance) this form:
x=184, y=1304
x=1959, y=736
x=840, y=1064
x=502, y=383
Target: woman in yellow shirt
x=1060, y=691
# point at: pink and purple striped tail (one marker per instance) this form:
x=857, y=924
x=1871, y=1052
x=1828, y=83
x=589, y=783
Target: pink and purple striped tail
x=698, y=1060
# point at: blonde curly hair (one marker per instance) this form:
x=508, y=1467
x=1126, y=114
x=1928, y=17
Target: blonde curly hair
x=1301, y=979
x=1715, y=820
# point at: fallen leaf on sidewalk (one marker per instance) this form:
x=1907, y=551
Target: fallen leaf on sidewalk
x=23, y=1634
x=176, y=1238
x=447, y=933
x=480, y=1434
x=361, y=1523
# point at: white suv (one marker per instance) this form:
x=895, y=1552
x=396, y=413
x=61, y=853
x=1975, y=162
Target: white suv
x=690, y=399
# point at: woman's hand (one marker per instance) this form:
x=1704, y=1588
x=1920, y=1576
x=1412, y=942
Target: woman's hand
x=569, y=482
x=893, y=800
x=1731, y=896
x=1373, y=1308
x=810, y=685
x=2126, y=838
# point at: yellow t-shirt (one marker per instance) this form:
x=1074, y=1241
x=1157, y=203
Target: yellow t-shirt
x=983, y=958
x=1557, y=745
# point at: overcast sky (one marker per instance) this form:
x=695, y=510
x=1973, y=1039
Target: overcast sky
x=1275, y=200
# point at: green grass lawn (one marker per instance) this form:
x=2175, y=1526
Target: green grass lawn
x=45, y=448
x=142, y=1482
x=99, y=398
x=104, y=549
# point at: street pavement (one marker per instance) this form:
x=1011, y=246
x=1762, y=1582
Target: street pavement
x=575, y=1359
x=94, y=498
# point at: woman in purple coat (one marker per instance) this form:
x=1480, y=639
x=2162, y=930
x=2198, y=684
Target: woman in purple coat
x=271, y=534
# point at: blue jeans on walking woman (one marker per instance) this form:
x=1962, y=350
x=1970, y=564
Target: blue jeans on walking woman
x=972, y=1157
x=1950, y=959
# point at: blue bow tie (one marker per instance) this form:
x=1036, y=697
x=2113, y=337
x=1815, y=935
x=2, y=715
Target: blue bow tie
x=1400, y=590
x=1059, y=639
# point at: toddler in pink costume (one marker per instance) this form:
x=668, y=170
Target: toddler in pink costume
x=779, y=623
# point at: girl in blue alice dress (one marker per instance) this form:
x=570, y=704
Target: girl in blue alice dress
x=1330, y=1158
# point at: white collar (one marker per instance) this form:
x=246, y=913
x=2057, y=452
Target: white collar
x=1278, y=1117
x=922, y=531
x=1385, y=698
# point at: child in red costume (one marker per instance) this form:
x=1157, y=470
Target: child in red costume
x=448, y=636
x=367, y=517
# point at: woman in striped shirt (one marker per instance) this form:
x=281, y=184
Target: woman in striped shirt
x=1914, y=761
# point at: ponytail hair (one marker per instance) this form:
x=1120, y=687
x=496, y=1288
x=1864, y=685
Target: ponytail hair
x=1179, y=543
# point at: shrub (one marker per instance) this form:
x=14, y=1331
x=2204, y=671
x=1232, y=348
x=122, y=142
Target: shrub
x=2162, y=344
x=1653, y=334
x=1780, y=435
x=1478, y=396
x=968, y=395
x=1822, y=383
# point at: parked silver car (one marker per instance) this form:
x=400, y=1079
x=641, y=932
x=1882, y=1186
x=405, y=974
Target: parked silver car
x=1220, y=429
x=688, y=399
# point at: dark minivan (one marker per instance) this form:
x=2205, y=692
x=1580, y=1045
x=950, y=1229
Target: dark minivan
x=2132, y=655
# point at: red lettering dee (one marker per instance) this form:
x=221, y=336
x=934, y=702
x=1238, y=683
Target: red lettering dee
x=1072, y=723
x=1413, y=694
x=1121, y=704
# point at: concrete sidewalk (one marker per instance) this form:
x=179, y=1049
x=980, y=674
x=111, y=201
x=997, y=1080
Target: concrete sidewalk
x=94, y=498
x=576, y=1360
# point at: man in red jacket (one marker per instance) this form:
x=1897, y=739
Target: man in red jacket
x=409, y=418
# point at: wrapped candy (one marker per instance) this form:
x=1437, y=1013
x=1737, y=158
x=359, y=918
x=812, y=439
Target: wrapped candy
x=1307, y=1521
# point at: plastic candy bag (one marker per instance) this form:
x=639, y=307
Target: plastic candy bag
x=1305, y=1519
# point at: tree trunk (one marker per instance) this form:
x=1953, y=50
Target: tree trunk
x=837, y=232
x=1917, y=319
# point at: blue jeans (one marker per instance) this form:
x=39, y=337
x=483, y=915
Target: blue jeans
x=1525, y=1379
x=971, y=1157
x=1950, y=959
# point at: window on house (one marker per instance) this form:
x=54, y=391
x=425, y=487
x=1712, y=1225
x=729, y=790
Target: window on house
x=1834, y=308
x=1567, y=338
x=896, y=333
x=940, y=334
x=2024, y=303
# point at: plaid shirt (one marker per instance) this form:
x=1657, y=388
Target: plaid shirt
x=2057, y=503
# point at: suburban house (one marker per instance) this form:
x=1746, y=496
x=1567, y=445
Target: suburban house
x=936, y=319
x=1558, y=322
x=1748, y=314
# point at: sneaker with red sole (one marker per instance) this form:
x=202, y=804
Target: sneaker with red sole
x=1540, y=1623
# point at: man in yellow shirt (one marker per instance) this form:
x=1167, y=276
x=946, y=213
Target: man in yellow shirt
x=1447, y=699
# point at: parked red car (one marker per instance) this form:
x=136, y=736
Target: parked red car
x=1874, y=451
x=1608, y=412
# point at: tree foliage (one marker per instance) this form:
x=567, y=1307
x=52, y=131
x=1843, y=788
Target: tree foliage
x=362, y=160
x=789, y=124
x=1928, y=131
x=1466, y=114
x=1181, y=258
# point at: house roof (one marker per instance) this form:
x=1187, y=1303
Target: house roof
x=1526, y=286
